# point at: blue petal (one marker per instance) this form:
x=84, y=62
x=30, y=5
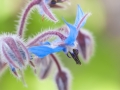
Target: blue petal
x=42, y=51
x=79, y=16
x=72, y=35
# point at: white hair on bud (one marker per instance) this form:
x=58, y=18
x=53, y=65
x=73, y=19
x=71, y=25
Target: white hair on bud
x=14, y=36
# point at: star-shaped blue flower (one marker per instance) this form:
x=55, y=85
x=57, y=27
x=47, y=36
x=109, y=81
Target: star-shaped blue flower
x=68, y=45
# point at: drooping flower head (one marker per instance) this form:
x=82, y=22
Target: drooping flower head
x=69, y=45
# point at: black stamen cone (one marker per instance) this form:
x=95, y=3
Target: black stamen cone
x=75, y=51
x=75, y=56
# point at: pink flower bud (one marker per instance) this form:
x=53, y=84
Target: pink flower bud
x=13, y=51
x=45, y=67
x=42, y=66
x=85, y=44
x=62, y=80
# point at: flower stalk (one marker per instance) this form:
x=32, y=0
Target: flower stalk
x=56, y=62
x=23, y=20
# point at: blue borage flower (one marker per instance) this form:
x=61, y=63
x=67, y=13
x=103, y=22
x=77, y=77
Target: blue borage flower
x=69, y=45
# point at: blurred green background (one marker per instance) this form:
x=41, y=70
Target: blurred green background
x=103, y=70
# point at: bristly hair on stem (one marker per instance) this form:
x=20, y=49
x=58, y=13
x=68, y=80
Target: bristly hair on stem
x=24, y=17
x=56, y=62
x=45, y=35
x=42, y=5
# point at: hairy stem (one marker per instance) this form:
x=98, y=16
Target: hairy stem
x=56, y=62
x=49, y=33
x=24, y=16
x=37, y=39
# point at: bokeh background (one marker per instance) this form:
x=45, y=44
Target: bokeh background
x=103, y=70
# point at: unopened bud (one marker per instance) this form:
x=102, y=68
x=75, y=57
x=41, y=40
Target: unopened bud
x=13, y=51
x=63, y=80
x=85, y=44
x=46, y=64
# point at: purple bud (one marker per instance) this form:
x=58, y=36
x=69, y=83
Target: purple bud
x=13, y=51
x=46, y=64
x=42, y=66
x=85, y=44
x=62, y=80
